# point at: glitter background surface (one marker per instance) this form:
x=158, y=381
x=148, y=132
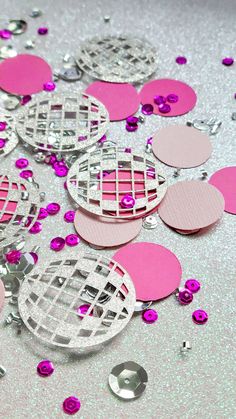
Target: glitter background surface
x=200, y=386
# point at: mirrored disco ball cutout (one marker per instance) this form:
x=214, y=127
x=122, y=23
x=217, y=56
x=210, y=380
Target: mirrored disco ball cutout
x=117, y=59
x=99, y=181
x=8, y=136
x=19, y=208
x=77, y=303
x=63, y=122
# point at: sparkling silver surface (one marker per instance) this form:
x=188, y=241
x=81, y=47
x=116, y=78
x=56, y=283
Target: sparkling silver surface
x=117, y=59
x=128, y=380
x=202, y=386
x=9, y=134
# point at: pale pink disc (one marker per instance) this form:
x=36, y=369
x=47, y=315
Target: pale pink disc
x=181, y=146
x=163, y=87
x=120, y=99
x=155, y=270
x=2, y=295
x=191, y=205
x=225, y=180
x=105, y=232
x=24, y=74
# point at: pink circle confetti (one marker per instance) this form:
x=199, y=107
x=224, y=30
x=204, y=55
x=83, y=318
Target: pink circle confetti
x=24, y=74
x=191, y=205
x=181, y=146
x=120, y=99
x=154, y=269
x=225, y=181
x=163, y=87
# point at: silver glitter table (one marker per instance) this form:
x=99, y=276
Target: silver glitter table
x=199, y=385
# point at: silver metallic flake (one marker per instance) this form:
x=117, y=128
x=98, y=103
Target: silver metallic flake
x=7, y=51
x=128, y=380
x=9, y=134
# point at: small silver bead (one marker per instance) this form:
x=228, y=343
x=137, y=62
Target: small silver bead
x=106, y=18
x=30, y=44
x=36, y=12
x=141, y=119
x=2, y=371
x=185, y=347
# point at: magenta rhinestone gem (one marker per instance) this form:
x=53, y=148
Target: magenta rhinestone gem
x=26, y=174
x=172, y=98
x=5, y=34
x=45, y=368
x=72, y=240
x=82, y=310
x=42, y=214
x=3, y=125
x=150, y=316
x=57, y=244
x=159, y=100
x=49, y=86
x=185, y=296
x=192, y=285
x=181, y=60
x=127, y=201
x=2, y=143
x=42, y=31
x=69, y=216
x=71, y=405
x=164, y=108
x=25, y=99
x=227, y=61
x=21, y=163
x=53, y=208
x=61, y=171
x=147, y=109
x=13, y=257
x=200, y=316
x=131, y=128
x=36, y=228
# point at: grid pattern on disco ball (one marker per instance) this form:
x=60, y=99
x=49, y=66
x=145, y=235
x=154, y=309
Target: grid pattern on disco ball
x=8, y=135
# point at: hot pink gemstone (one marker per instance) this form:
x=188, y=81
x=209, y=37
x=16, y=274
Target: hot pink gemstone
x=61, y=171
x=159, y=100
x=150, y=316
x=34, y=256
x=36, y=228
x=72, y=240
x=2, y=143
x=21, y=163
x=185, y=296
x=71, y=405
x=192, y=285
x=53, y=208
x=42, y=214
x=147, y=109
x=57, y=244
x=5, y=34
x=69, y=216
x=45, y=368
x=200, y=317
x=13, y=257
x=49, y=86
x=25, y=174
x=181, y=60
x=164, y=108
x=3, y=125
x=42, y=31
x=127, y=201
x=82, y=310
x=25, y=99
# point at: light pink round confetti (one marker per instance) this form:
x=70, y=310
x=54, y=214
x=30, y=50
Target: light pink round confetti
x=181, y=146
x=154, y=269
x=163, y=87
x=225, y=181
x=120, y=99
x=24, y=74
x=191, y=205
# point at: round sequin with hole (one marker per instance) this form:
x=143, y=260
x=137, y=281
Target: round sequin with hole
x=200, y=316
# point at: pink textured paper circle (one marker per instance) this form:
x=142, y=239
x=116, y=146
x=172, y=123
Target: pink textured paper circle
x=24, y=74
x=2, y=295
x=186, y=96
x=181, y=146
x=105, y=232
x=120, y=99
x=225, y=180
x=155, y=270
x=191, y=205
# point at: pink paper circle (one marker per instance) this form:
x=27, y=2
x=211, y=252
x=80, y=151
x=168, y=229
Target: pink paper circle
x=163, y=87
x=2, y=295
x=24, y=74
x=120, y=99
x=181, y=146
x=105, y=232
x=155, y=270
x=225, y=180
x=191, y=205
